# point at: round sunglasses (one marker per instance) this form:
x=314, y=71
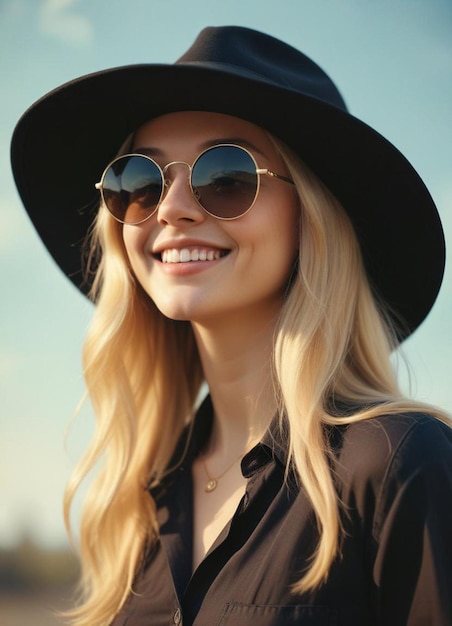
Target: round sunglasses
x=224, y=180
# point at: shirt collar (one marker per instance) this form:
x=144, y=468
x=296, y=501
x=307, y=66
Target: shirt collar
x=272, y=447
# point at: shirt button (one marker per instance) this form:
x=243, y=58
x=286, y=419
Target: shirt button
x=177, y=617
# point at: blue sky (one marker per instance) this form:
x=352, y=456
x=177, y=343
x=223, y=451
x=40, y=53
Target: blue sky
x=392, y=59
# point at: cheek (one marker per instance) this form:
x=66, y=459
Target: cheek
x=273, y=245
x=285, y=233
x=286, y=245
x=293, y=225
x=128, y=239
x=135, y=236
x=134, y=240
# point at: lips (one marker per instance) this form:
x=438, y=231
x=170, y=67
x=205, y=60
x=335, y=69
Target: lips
x=189, y=255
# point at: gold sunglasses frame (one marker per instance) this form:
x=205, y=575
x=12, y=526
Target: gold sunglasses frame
x=166, y=182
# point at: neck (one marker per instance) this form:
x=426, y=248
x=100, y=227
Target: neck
x=237, y=362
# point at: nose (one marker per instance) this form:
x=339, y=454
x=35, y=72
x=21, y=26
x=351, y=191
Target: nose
x=178, y=204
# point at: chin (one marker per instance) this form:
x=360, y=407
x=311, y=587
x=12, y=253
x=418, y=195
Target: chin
x=177, y=311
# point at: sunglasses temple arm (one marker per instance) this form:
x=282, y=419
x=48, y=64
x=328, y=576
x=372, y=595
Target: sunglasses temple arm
x=274, y=175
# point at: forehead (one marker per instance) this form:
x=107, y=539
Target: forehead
x=194, y=128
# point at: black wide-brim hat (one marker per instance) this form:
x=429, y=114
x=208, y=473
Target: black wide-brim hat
x=62, y=144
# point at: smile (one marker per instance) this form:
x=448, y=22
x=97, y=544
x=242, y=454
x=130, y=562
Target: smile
x=186, y=255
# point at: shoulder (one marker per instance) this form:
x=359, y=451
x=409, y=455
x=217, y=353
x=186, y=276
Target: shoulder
x=379, y=458
x=376, y=443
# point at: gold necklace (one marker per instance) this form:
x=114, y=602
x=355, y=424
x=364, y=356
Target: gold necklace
x=212, y=481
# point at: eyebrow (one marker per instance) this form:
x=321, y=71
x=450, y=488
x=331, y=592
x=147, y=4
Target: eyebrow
x=157, y=152
x=149, y=151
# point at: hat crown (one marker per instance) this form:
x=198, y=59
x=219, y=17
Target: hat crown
x=253, y=52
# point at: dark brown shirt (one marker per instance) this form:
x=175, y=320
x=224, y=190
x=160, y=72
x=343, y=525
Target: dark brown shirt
x=394, y=477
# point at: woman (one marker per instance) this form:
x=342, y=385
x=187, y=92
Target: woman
x=253, y=236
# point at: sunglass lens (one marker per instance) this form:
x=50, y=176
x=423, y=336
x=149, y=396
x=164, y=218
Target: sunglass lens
x=132, y=187
x=225, y=181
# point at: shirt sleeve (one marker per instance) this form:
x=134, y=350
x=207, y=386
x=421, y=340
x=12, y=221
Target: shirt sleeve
x=412, y=531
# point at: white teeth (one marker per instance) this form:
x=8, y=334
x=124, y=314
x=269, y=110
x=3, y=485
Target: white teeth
x=185, y=255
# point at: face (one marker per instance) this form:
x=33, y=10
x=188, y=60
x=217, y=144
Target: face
x=194, y=266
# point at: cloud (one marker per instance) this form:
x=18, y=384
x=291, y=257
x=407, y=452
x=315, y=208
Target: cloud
x=58, y=19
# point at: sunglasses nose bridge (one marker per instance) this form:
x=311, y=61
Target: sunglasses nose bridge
x=168, y=181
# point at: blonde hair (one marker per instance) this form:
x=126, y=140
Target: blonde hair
x=333, y=346
x=143, y=373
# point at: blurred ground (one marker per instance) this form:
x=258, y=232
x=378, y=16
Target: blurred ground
x=35, y=584
x=32, y=609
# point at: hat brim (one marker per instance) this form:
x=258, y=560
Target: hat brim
x=63, y=142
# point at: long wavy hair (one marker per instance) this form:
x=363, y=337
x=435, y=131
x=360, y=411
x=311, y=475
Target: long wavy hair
x=332, y=346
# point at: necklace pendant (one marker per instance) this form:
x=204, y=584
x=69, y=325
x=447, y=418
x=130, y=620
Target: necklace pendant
x=211, y=485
